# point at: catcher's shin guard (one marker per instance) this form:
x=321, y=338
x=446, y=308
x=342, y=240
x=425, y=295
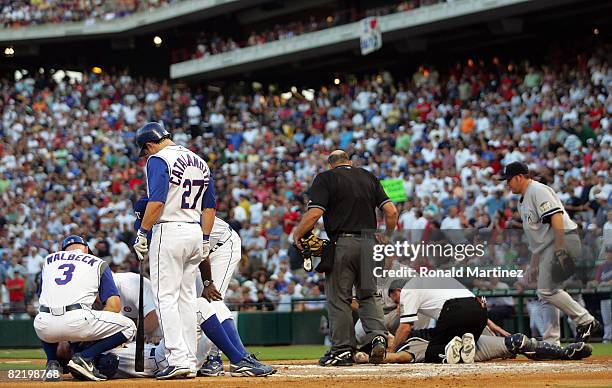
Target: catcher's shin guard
x=520, y=344
x=543, y=351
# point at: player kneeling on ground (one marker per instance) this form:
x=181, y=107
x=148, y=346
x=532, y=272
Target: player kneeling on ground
x=460, y=316
x=72, y=279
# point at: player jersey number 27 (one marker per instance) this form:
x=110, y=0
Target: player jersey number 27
x=189, y=179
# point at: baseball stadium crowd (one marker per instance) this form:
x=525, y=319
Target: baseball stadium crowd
x=16, y=14
x=211, y=43
x=68, y=163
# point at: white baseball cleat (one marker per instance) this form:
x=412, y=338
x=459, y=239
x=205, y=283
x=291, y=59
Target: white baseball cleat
x=468, y=349
x=452, y=351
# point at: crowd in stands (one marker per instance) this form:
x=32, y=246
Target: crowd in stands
x=68, y=162
x=211, y=43
x=16, y=14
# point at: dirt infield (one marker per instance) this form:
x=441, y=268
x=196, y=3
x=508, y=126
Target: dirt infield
x=595, y=372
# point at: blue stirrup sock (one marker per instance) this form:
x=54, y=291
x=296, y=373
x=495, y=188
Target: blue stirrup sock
x=216, y=333
x=232, y=333
x=103, y=345
x=50, y=350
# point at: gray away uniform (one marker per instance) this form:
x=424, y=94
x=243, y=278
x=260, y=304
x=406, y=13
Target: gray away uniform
x=536, y=207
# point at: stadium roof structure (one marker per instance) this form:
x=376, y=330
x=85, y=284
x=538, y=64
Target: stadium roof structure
x=345, y=37
x=138, y=23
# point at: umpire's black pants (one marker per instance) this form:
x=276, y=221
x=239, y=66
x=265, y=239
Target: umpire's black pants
x=457, y=317
x=350, y=271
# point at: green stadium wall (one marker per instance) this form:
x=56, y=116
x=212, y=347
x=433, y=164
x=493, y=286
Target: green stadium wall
x=255, y=328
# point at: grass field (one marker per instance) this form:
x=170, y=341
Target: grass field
x=29, y=358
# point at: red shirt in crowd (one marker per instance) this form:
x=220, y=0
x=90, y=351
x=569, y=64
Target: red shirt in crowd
x=595, y=116
x=16, y=287
x=290, y=219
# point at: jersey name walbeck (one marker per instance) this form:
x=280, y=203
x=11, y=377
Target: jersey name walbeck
x=189, y=178
x=71, y=277
x=539, y=202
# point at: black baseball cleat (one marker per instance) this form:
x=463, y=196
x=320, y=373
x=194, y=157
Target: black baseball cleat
x=344, y=358
x=85, y=368
x=379, y=350
x=173, y=372
x=578, y=351
x=584, y=332
x=53, y=371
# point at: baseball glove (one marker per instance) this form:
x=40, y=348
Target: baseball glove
x=312, y=246
x=564, y=266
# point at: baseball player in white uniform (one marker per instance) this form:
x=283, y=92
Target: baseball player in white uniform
x=180, y=214
x=72, y=280
x=122, y=365
x=225, y=255
x=554, y=242
x=128, y=285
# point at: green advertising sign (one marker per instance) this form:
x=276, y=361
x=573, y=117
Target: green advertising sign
x=394, y=189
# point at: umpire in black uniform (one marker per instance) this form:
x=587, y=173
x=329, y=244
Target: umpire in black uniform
x=347, y=198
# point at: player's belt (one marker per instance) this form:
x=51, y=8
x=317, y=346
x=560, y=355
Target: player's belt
x=573, y=231
x=57, y=311
x=350, y=234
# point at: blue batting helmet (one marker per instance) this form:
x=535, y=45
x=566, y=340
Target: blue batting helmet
x=150, y=133
x=108, y=364
x=74, y=239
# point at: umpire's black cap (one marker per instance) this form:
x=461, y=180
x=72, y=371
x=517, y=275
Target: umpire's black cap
x=74, y=239
x=513, y=169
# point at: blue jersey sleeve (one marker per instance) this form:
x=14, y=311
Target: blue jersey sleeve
x=158, y=179
x=107, y=286
x=210, y=198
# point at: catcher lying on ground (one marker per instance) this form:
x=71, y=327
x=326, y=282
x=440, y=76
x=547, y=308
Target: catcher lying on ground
x=487, y=348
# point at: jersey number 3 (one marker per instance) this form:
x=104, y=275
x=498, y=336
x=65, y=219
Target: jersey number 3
x=69, y=269
x=188, y=185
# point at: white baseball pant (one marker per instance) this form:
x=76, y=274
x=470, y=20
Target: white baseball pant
x=174, y=256
x=82, y=325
